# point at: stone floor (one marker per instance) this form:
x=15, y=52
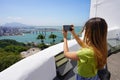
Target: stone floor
x=114, y=66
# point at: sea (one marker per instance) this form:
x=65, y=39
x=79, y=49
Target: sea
x=32, y=37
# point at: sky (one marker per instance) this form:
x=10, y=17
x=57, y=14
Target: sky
x=44, y=12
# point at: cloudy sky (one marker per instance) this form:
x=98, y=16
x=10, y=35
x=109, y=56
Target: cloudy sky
x=44, y=12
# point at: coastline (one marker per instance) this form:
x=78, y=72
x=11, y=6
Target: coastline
x=31, y=37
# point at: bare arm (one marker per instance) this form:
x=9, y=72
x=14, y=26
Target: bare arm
x=79, y=41
x=71, y=55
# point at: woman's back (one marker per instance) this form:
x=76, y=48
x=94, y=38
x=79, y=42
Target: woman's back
x=87, y=64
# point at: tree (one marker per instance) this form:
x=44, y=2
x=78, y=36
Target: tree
x=52, y=36
x=15, y=49
x=8, y=59
x=43, y=46
x=41, y=37
x=9, y=52
x=7, y=42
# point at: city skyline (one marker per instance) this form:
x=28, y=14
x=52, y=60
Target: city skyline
x=44, y=12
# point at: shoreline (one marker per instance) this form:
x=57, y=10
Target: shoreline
x=31, y=37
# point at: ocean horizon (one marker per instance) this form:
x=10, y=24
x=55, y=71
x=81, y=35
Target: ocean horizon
x=32, y=37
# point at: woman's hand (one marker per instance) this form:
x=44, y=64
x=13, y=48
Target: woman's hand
x=64, y=33
x=72, y=29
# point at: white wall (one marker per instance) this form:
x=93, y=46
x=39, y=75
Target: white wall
x=110, y=11
x=40, y=66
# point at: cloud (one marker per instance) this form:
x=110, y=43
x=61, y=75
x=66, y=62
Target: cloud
x=14, y=18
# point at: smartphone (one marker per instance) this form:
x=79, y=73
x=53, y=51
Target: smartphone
x=67, y=27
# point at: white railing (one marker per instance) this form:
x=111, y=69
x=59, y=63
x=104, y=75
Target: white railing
x=40, y=66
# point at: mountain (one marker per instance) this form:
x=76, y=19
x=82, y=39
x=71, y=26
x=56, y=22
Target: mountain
x=14, y=24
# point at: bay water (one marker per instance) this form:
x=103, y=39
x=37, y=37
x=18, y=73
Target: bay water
x=30, y=37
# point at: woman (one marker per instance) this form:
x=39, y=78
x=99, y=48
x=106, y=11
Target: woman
x=93, y=54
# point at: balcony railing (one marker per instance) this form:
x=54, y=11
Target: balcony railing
x=40, y=66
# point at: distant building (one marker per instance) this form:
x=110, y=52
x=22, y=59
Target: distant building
x=9, y=31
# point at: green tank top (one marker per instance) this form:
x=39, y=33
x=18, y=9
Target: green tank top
x=87, y=63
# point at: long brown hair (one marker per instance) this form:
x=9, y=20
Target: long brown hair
x=96, y=37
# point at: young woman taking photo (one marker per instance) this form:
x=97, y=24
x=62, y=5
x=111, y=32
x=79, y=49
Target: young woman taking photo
x=93, y=53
